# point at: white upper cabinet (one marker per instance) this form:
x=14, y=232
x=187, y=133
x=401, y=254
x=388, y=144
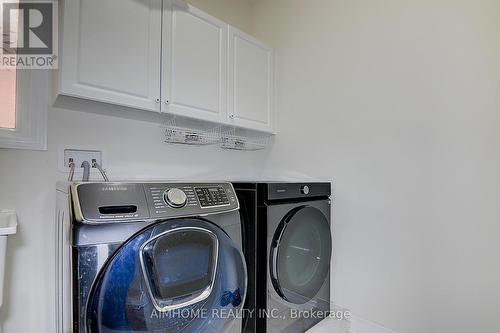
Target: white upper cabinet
x=111, y=51
x=251, y=83
x=194, y=63
x=165, y=56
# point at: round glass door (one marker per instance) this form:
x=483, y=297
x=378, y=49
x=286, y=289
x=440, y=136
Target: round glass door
x=175, y=276
x=300, y=254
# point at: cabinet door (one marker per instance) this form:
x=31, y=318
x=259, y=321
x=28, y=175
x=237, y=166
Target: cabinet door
x=194, y=63
x=111, y=51
x=251, y=83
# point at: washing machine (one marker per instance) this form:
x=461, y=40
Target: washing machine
x=149, y=257
x=288, y=248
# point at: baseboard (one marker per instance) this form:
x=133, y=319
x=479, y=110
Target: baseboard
x=359, y=325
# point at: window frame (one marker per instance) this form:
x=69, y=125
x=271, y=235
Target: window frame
x=32, y=103
x=31, y=112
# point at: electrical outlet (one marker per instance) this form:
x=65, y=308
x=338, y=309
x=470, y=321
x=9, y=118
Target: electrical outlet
x=78, y=156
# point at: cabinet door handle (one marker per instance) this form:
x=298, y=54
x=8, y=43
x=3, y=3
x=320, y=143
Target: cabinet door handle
x=231, y=116
x=157, y=100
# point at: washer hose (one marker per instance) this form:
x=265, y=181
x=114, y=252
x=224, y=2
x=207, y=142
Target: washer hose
x=71, y=170
x=101, y=170
x=86, y=171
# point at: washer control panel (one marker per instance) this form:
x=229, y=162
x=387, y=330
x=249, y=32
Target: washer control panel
x=176, y=199
x=116, y=202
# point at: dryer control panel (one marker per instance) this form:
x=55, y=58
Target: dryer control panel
x=124, y=202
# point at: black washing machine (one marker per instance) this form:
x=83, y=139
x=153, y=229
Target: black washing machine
x=288, y=248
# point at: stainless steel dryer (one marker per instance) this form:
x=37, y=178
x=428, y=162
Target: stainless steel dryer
x=288, y=247
x=149, y=257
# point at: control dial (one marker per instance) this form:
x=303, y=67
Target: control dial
x=175, y=198
x=304, y=189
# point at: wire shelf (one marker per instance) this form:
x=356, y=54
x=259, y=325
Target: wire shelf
x=231, y=141
x=190, y=136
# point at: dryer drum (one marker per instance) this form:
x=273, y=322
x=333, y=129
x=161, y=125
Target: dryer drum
x=300, y=254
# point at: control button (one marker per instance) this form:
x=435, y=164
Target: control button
x=304, y=189
x=175, y=198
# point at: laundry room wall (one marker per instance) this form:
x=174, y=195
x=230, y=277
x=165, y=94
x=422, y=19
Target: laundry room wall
x=237, y=13
x=399, y=102
x=132, y=148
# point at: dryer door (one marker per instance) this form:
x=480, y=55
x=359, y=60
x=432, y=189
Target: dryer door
x=300, y=254
x=178, y=275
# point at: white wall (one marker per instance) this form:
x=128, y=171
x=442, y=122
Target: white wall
x=133, y=149
x=400, y=102
x=237, y=13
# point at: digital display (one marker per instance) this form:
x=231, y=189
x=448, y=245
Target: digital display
x=211, y=196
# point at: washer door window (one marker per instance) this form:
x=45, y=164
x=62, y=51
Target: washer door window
x=179, y=267
x=300, y=254
x=171, y=277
